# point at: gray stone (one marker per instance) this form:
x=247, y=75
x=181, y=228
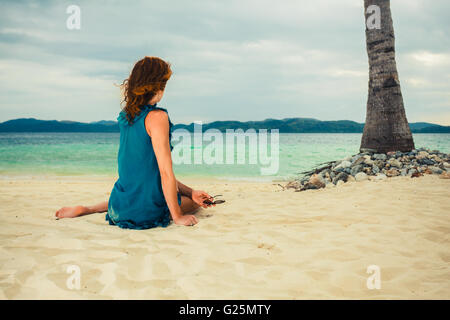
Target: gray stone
x=361, y=176
x=436, y=170
x=404, y=172
x=395, y=163
x=422, y=154
x=339, y=170
x=425, y=161
x=356, y=169
x=358, y=161
x=349, y=158
x=341, y=176
x=390, y=154
x=379, y=163
x=380, y=176
x=437, y=158
x=344, y=164
x=380, y=156
x=375, y=169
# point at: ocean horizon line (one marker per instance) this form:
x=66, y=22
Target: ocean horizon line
x=285, y=125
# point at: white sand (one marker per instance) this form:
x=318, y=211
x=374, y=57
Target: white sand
x=261, y=244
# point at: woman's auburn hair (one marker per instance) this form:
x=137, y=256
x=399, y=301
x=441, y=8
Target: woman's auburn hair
x=149, y=75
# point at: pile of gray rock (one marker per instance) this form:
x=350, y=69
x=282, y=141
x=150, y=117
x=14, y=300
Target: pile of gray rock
x=374, y=166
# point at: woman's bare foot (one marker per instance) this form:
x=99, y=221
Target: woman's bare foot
x=71, y=212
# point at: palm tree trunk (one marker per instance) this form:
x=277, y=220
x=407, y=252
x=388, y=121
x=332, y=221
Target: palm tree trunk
x=386, y=128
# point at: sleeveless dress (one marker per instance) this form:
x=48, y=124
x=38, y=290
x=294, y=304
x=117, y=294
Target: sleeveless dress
x=137, y=200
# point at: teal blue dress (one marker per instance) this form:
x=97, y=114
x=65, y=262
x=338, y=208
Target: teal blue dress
x=137, y=200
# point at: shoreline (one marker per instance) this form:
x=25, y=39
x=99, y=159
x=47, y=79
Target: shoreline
x=187, y=179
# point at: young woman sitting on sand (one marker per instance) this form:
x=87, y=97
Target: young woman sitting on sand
x=146, y=194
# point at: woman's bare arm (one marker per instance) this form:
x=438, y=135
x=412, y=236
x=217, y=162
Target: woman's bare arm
x=157, y=125
x=197, y=196
x=184, y=189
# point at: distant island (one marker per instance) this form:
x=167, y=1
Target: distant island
x=287, y=125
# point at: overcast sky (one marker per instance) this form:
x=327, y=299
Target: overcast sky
x=232, y=60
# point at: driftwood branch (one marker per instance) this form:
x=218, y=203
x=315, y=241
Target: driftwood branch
x=318, y=169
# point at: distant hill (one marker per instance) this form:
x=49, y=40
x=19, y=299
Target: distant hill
x=287, y=125
x=424, y=127
x=35, y=125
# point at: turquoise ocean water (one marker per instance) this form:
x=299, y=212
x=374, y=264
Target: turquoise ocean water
x=95, y=154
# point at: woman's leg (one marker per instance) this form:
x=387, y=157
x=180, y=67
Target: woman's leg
x=78, y=211
x=188, y=206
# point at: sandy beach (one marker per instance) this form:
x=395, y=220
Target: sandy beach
x=263, y=243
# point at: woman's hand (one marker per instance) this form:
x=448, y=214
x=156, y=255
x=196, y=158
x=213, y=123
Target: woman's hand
x=199, y=197
x=186, y=220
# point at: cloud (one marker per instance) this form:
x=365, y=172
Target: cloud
x=239, y=59
x=431, y=59
x=43, y=90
